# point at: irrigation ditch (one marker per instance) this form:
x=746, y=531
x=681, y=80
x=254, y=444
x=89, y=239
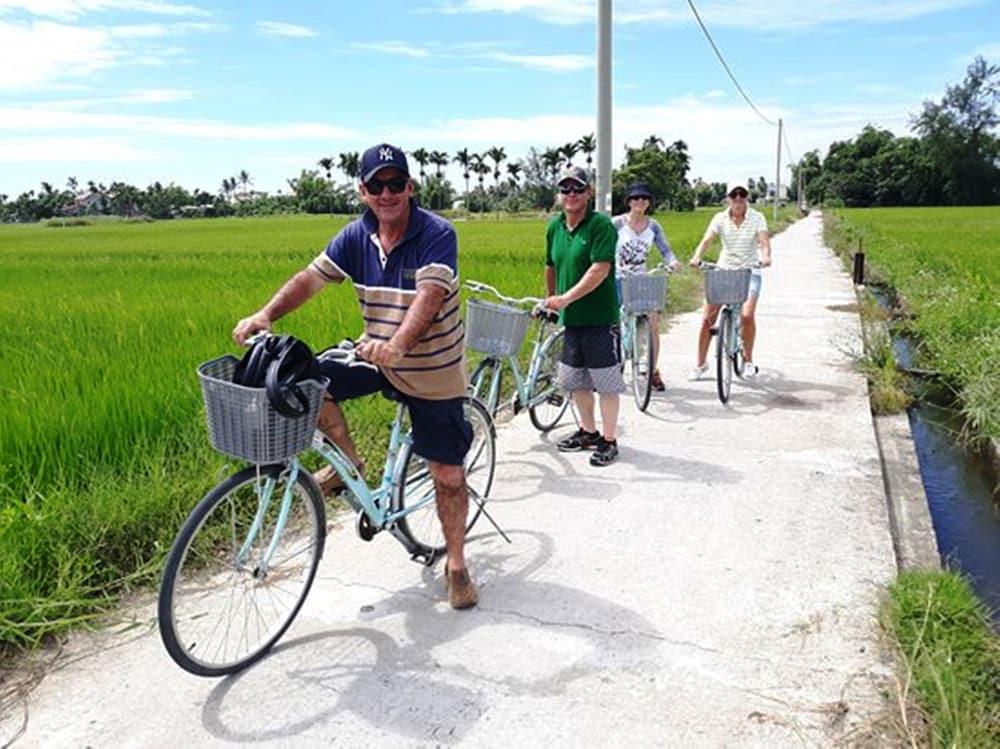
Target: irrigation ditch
x=959, y=472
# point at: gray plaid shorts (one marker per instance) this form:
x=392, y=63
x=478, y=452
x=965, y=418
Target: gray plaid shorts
x=591, y=359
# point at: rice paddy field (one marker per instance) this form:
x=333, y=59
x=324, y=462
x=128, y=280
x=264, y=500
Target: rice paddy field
x=944, y=265
x=103, y=449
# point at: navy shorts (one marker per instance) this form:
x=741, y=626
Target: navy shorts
x=440, y=430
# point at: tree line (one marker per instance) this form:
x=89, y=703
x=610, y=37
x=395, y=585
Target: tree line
x=954, y=160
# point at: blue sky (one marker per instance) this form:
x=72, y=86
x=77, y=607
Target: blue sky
x=193, y=92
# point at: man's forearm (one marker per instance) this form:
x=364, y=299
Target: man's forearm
x=419, y=317
x=595, y=274
x=297, y=291
x=550, y=280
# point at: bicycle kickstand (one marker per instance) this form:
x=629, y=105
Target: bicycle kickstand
x=482, y=508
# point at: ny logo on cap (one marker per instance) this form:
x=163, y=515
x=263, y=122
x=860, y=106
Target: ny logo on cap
x=386, y=154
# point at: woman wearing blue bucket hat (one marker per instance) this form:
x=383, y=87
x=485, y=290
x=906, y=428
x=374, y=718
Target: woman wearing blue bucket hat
x=637, y=234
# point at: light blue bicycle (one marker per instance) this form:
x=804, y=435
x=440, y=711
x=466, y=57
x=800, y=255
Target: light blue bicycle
x=729, y=288
x=642, y=294
x=498, y=331
x=245, y=558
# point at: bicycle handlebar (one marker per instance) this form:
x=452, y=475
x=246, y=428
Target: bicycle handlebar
x=539, y=309
x=706, y=265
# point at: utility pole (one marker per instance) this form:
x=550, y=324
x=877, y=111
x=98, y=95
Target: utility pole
x=604, y=106
x=777, y=177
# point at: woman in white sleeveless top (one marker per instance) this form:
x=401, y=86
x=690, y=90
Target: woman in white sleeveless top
x=745, y=243
x=637, y=234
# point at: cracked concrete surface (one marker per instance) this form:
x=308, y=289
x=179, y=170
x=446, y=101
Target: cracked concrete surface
x=717, y=586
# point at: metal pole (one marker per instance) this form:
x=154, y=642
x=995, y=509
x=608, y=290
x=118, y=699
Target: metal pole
x=777, y=177
x=604, y=106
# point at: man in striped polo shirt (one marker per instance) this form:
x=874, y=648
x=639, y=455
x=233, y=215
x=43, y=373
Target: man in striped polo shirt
x=403, y=262
x=745, y=244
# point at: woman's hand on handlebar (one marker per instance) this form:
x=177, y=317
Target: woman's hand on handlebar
x=249, y=326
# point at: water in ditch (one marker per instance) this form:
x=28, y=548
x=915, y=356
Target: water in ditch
x=959, y=486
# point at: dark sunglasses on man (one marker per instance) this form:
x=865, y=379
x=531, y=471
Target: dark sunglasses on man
x=572, y=189
x=739, y=192
x=376, y=186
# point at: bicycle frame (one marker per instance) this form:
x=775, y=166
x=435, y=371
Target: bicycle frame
x=524, y=383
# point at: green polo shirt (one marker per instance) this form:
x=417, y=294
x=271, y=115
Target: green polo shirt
x=572, y=253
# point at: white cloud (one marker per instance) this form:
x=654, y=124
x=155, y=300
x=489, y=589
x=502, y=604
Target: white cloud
x=760, y=15
x=59, y=52
x=280, y=28
x=65, y=150
x=48, y=119
x=393, y=48
x=67, y=10
x=55, y=51
x=550, y=63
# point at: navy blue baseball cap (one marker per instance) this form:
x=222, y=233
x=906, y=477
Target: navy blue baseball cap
x=381, y=156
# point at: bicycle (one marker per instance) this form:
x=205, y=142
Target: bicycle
x=244, y=561
x=642, y=294
x=498, y=331
x=728, y=288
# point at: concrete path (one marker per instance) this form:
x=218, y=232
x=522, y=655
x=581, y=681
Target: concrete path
x=718, y=586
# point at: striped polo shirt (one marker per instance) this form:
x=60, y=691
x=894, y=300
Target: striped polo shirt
x=740, y=244
x=386, y=286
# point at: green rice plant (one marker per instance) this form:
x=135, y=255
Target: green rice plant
x=942, y=262
x=950, y=657
x=103, y=447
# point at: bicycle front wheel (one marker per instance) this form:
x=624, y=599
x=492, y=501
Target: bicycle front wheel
x=723, y=359
x=642, y=362
x=240, y=568
x=415, y=486
x=550, y=401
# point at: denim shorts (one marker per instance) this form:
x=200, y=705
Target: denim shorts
x=440, y=430
x=756, y=279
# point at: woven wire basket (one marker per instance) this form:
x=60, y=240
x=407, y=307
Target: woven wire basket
x=725, y=286
x=242, y=422
x=493, y=328
x=642, y=292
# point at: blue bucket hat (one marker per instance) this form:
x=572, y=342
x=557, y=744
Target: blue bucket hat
x=638, y=190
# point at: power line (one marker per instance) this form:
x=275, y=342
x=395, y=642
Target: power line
x=726, y=66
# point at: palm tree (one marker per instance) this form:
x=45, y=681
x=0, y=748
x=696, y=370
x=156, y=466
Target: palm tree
x=588, y=144
x=480, y=167
x=244, y=181
x=350, y=164
x=326, y=163
x=551, y=158
x=421, y=156
x=514, y=170
x=653, y=141
x=439, y=159
x=569, y=151
x=464, y=158
x=497, y=154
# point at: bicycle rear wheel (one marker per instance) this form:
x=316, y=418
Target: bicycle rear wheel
x=642, y=362
x=552, y=400
x=486, y=383
x=415, y=486
x=723, y=359
x=226, y=595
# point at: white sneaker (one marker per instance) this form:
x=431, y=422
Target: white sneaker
x=698, y=372
x=750, y=370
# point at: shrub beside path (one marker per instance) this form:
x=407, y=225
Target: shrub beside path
x=717, y=586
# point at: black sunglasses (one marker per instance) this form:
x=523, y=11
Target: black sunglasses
x=738, y=193
x=376, y=186
x=572, y=189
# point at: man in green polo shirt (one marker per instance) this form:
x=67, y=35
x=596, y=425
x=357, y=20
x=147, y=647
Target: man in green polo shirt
x=580, y=279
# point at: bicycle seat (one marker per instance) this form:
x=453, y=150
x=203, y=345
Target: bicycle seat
x=392, y=394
